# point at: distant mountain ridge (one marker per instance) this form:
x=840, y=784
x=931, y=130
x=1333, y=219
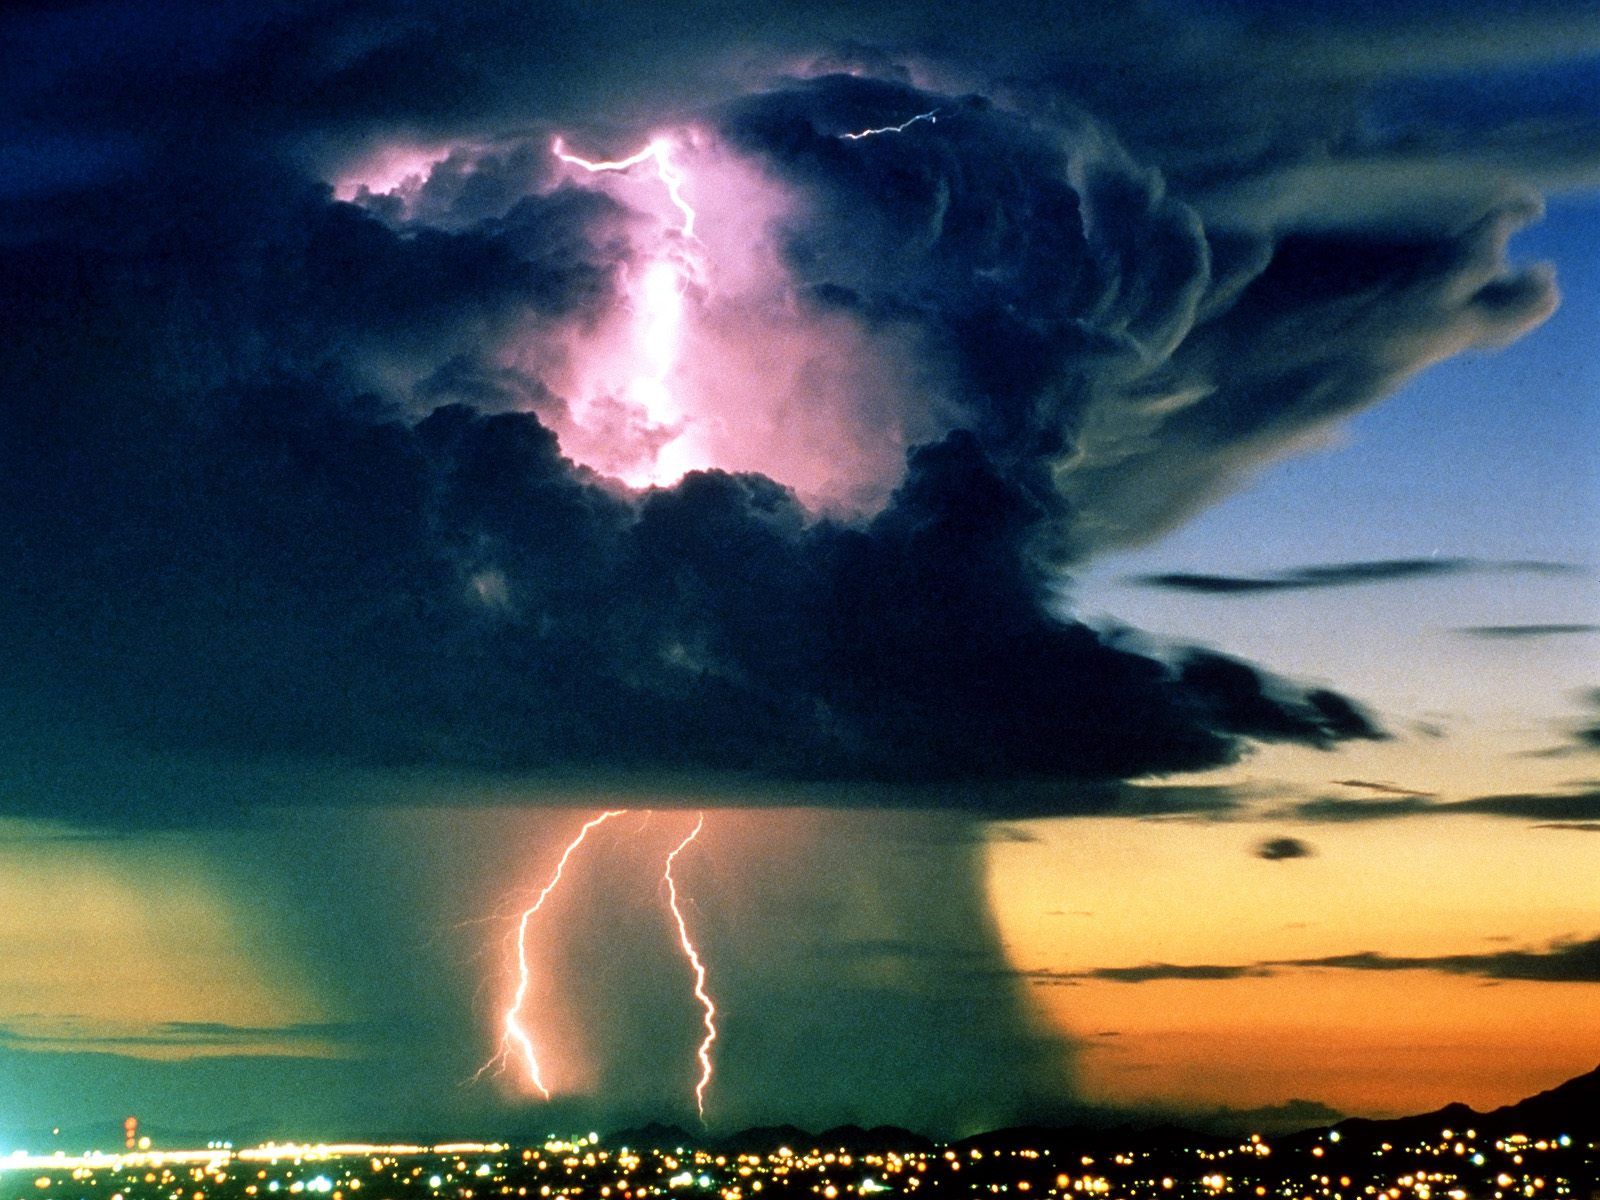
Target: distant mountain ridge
x=1572, y=1108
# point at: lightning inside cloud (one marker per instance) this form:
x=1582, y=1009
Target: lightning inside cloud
x=931, y=117
x=657, y=301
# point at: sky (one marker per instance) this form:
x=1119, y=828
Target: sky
x=1068, y=547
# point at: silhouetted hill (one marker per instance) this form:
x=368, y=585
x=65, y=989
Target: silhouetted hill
x=1572, y=1107
x=764, y=1139
x=880, y=1138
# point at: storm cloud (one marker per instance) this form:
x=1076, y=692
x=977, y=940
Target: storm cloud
x=229, y=538
x=271, y=491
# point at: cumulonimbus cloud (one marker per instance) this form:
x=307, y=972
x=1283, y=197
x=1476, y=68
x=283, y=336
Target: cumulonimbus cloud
x=272, y=487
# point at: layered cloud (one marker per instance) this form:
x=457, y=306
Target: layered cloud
x=1331, y=575
x=1571, y=961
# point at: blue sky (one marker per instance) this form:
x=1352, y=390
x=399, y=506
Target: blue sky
x=1491, y=454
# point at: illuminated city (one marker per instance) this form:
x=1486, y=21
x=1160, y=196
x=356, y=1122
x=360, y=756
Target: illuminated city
x=1412, y=1159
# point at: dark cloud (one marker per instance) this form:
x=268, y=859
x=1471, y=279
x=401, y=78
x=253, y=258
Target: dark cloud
x=1541, y=806
x=1562, y=962
x=1347, y=574
x=1149, y=973
x=1572, y=826
x=1535, y=806
x=1280, y=849
x=1573, y=961
x=1522, y=632
x=1144, y=355
x=226, y=540
x=1330, y=809
x=1387, y=789
x=1588, y=734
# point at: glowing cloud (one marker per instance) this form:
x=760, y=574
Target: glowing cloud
x=656, y=299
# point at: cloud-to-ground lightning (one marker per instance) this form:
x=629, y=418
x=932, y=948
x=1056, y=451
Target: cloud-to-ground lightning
x=709, y=1018
x=514, y=1035
x=931, y=117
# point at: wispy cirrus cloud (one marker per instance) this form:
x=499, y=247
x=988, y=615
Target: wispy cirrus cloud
x=1348, y=574
x=1519, y=633
x=1565, y=961
x=83, y=1033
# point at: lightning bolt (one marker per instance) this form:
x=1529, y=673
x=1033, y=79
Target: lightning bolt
x=931, y=117
x=514, y=1036
x=659, y=314
x=660, y=152
x=693, y=955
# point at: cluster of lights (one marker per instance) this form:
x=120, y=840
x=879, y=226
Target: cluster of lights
x=560, y=1168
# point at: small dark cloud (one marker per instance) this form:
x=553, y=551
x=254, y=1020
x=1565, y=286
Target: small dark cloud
x=1001, y=832
x=1523, y=632
x=1572, y=826
x=1283, y=848
x=1588, y=734
x=1343, y=575
x=1387, y=789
